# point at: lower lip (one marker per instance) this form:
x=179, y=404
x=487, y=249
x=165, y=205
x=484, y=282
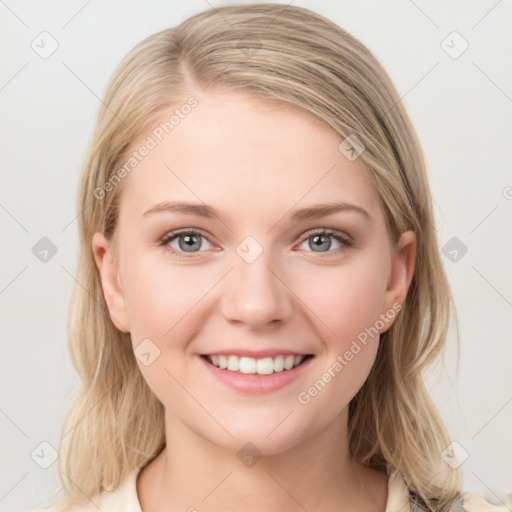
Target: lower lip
x=253, y=383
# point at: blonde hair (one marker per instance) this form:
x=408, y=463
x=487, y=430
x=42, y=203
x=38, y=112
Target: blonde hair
x=302, y=60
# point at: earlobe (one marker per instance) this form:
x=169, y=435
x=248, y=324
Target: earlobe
x=108, y=270
x=402, y=271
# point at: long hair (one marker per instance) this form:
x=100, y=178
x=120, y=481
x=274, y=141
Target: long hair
x=302, y=60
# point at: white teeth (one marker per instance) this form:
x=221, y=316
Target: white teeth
x=288, y=362
x=265, y=366
x=248, y=365
x=233, y=363
x=279, y=364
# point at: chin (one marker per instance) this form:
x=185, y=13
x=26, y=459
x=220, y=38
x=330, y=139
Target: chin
x=258, y=439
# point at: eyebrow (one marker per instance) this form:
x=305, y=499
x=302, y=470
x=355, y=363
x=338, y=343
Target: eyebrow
x=311, y=212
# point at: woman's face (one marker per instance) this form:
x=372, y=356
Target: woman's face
x=256, y=280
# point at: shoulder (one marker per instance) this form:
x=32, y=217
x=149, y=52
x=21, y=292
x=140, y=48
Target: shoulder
x=122, y=499
x=476, y=502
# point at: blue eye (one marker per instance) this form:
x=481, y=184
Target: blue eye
x=319, y=240
x=190, y=241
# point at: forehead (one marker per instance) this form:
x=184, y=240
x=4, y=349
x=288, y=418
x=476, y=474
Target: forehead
x=233, y=149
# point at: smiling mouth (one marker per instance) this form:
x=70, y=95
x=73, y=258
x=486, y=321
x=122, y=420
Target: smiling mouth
x=250, y=365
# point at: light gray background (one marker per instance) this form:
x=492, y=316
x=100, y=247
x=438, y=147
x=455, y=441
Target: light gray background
x=461, y=108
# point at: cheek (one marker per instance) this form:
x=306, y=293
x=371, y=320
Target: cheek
x=347, y=302
x=159, y=296
x=162, y=302
x=347, y=299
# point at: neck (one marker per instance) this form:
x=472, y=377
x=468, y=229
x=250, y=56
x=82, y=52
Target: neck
x=192, y=473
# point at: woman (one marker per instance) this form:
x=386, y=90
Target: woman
x=260, y=281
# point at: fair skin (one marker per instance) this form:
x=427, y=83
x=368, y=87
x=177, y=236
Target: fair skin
x=256, y=164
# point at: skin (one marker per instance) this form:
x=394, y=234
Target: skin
x=255, y=163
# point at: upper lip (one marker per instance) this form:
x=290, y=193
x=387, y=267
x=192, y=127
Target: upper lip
x=256, y=354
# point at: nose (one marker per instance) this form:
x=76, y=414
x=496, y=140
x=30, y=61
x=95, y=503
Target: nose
x=256, y=294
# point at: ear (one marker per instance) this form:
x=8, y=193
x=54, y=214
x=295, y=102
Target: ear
x=108, y=269
x=402, y=271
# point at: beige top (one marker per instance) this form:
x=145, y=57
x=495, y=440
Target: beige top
x=125, y=498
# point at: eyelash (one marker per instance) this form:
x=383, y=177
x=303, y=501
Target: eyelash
x=340, y=237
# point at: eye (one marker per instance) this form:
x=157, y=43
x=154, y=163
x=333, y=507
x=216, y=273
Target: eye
x=189, y=241
x=319, y=240
x=186, y=241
